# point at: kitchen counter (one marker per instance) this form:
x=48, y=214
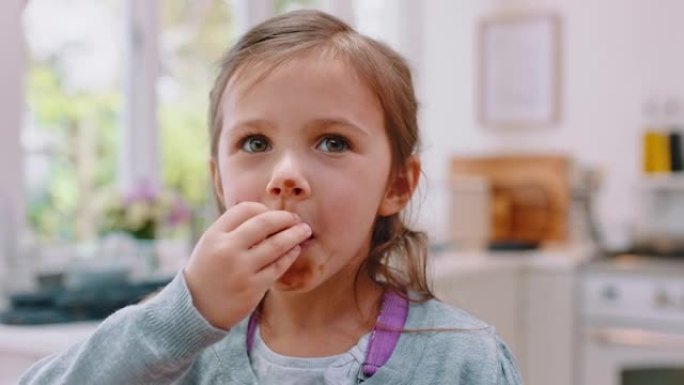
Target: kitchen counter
x=547, y=259
x=630, y=264
x=39, y=340
x=21, y=346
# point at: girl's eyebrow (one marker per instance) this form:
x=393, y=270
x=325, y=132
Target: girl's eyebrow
x=265, y=125
x=250, y=124
x=336, y=121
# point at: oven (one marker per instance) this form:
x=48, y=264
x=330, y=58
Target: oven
x=632, y=322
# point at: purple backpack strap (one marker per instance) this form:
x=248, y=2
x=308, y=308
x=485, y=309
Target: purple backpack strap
x=386, y=333
x=251, y=329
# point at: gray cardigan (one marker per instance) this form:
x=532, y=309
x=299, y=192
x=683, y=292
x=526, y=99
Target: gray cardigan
x=167, y=341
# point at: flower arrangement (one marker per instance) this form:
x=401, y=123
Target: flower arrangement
x=142, y=212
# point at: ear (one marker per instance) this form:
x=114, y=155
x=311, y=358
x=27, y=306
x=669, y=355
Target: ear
x=216, y=180
x=400, y=189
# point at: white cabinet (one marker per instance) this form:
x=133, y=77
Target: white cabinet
x=550, y=327
x=528, y=298
x=492, y=294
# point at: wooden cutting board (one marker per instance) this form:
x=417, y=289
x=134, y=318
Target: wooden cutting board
x=529, y=194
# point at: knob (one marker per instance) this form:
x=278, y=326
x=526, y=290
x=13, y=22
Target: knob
x=662, y=299
x=609, y=293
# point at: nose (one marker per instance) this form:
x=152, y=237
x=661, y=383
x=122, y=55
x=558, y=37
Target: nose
x=288, y=181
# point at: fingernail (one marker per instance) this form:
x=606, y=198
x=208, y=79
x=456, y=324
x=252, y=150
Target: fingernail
x=306, y=228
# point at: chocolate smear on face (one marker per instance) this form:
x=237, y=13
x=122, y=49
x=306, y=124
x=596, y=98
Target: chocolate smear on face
x=298, y=274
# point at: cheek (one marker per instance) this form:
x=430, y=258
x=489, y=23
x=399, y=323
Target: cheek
x=240, y=187
x=351, y=210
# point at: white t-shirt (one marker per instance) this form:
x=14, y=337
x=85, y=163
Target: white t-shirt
x=273, y=368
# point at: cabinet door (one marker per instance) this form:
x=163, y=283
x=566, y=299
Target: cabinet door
x=550, y=327
x=492, y=294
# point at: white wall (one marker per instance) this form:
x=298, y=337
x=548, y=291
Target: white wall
x=616, y=54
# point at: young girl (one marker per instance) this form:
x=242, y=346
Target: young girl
x=309, y=276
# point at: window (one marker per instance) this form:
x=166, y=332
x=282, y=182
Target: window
x=75, y=102
x=283, y=6
x=194, y=35
x=73, y=105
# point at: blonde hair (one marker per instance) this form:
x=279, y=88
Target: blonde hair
x=397, y=254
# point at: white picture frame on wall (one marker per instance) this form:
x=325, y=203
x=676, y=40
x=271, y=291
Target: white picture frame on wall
x=519, y=59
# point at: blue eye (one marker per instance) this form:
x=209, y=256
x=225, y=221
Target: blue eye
x=333, y=144
x=255, y=143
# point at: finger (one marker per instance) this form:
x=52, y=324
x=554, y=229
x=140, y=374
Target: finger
x=236, y=215
x=256, y=229
x=270, y=273
x=272, y=248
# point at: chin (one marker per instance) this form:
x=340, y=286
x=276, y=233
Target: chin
x=301, y=275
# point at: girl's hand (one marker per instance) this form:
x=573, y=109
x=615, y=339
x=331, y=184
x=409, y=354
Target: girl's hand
x=239, y=257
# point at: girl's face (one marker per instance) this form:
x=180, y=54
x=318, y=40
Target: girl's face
x=308, y=138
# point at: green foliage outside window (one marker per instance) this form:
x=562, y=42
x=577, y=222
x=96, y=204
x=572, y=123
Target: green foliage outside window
x=79, y=164
x=59, y=207
x=282, y=6
x=194, y=37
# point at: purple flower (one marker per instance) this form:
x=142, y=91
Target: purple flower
x=180, y=212
x=143, y=192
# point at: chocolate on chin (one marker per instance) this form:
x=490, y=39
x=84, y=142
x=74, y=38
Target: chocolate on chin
x=297, y=275
x=301, y=272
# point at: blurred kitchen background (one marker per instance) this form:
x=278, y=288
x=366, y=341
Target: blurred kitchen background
x=553, y=190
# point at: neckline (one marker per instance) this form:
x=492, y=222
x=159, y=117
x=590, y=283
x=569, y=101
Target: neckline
x=355, y=352
x=383, y=338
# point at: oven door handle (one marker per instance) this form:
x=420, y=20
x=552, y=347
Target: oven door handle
x=638, y=338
